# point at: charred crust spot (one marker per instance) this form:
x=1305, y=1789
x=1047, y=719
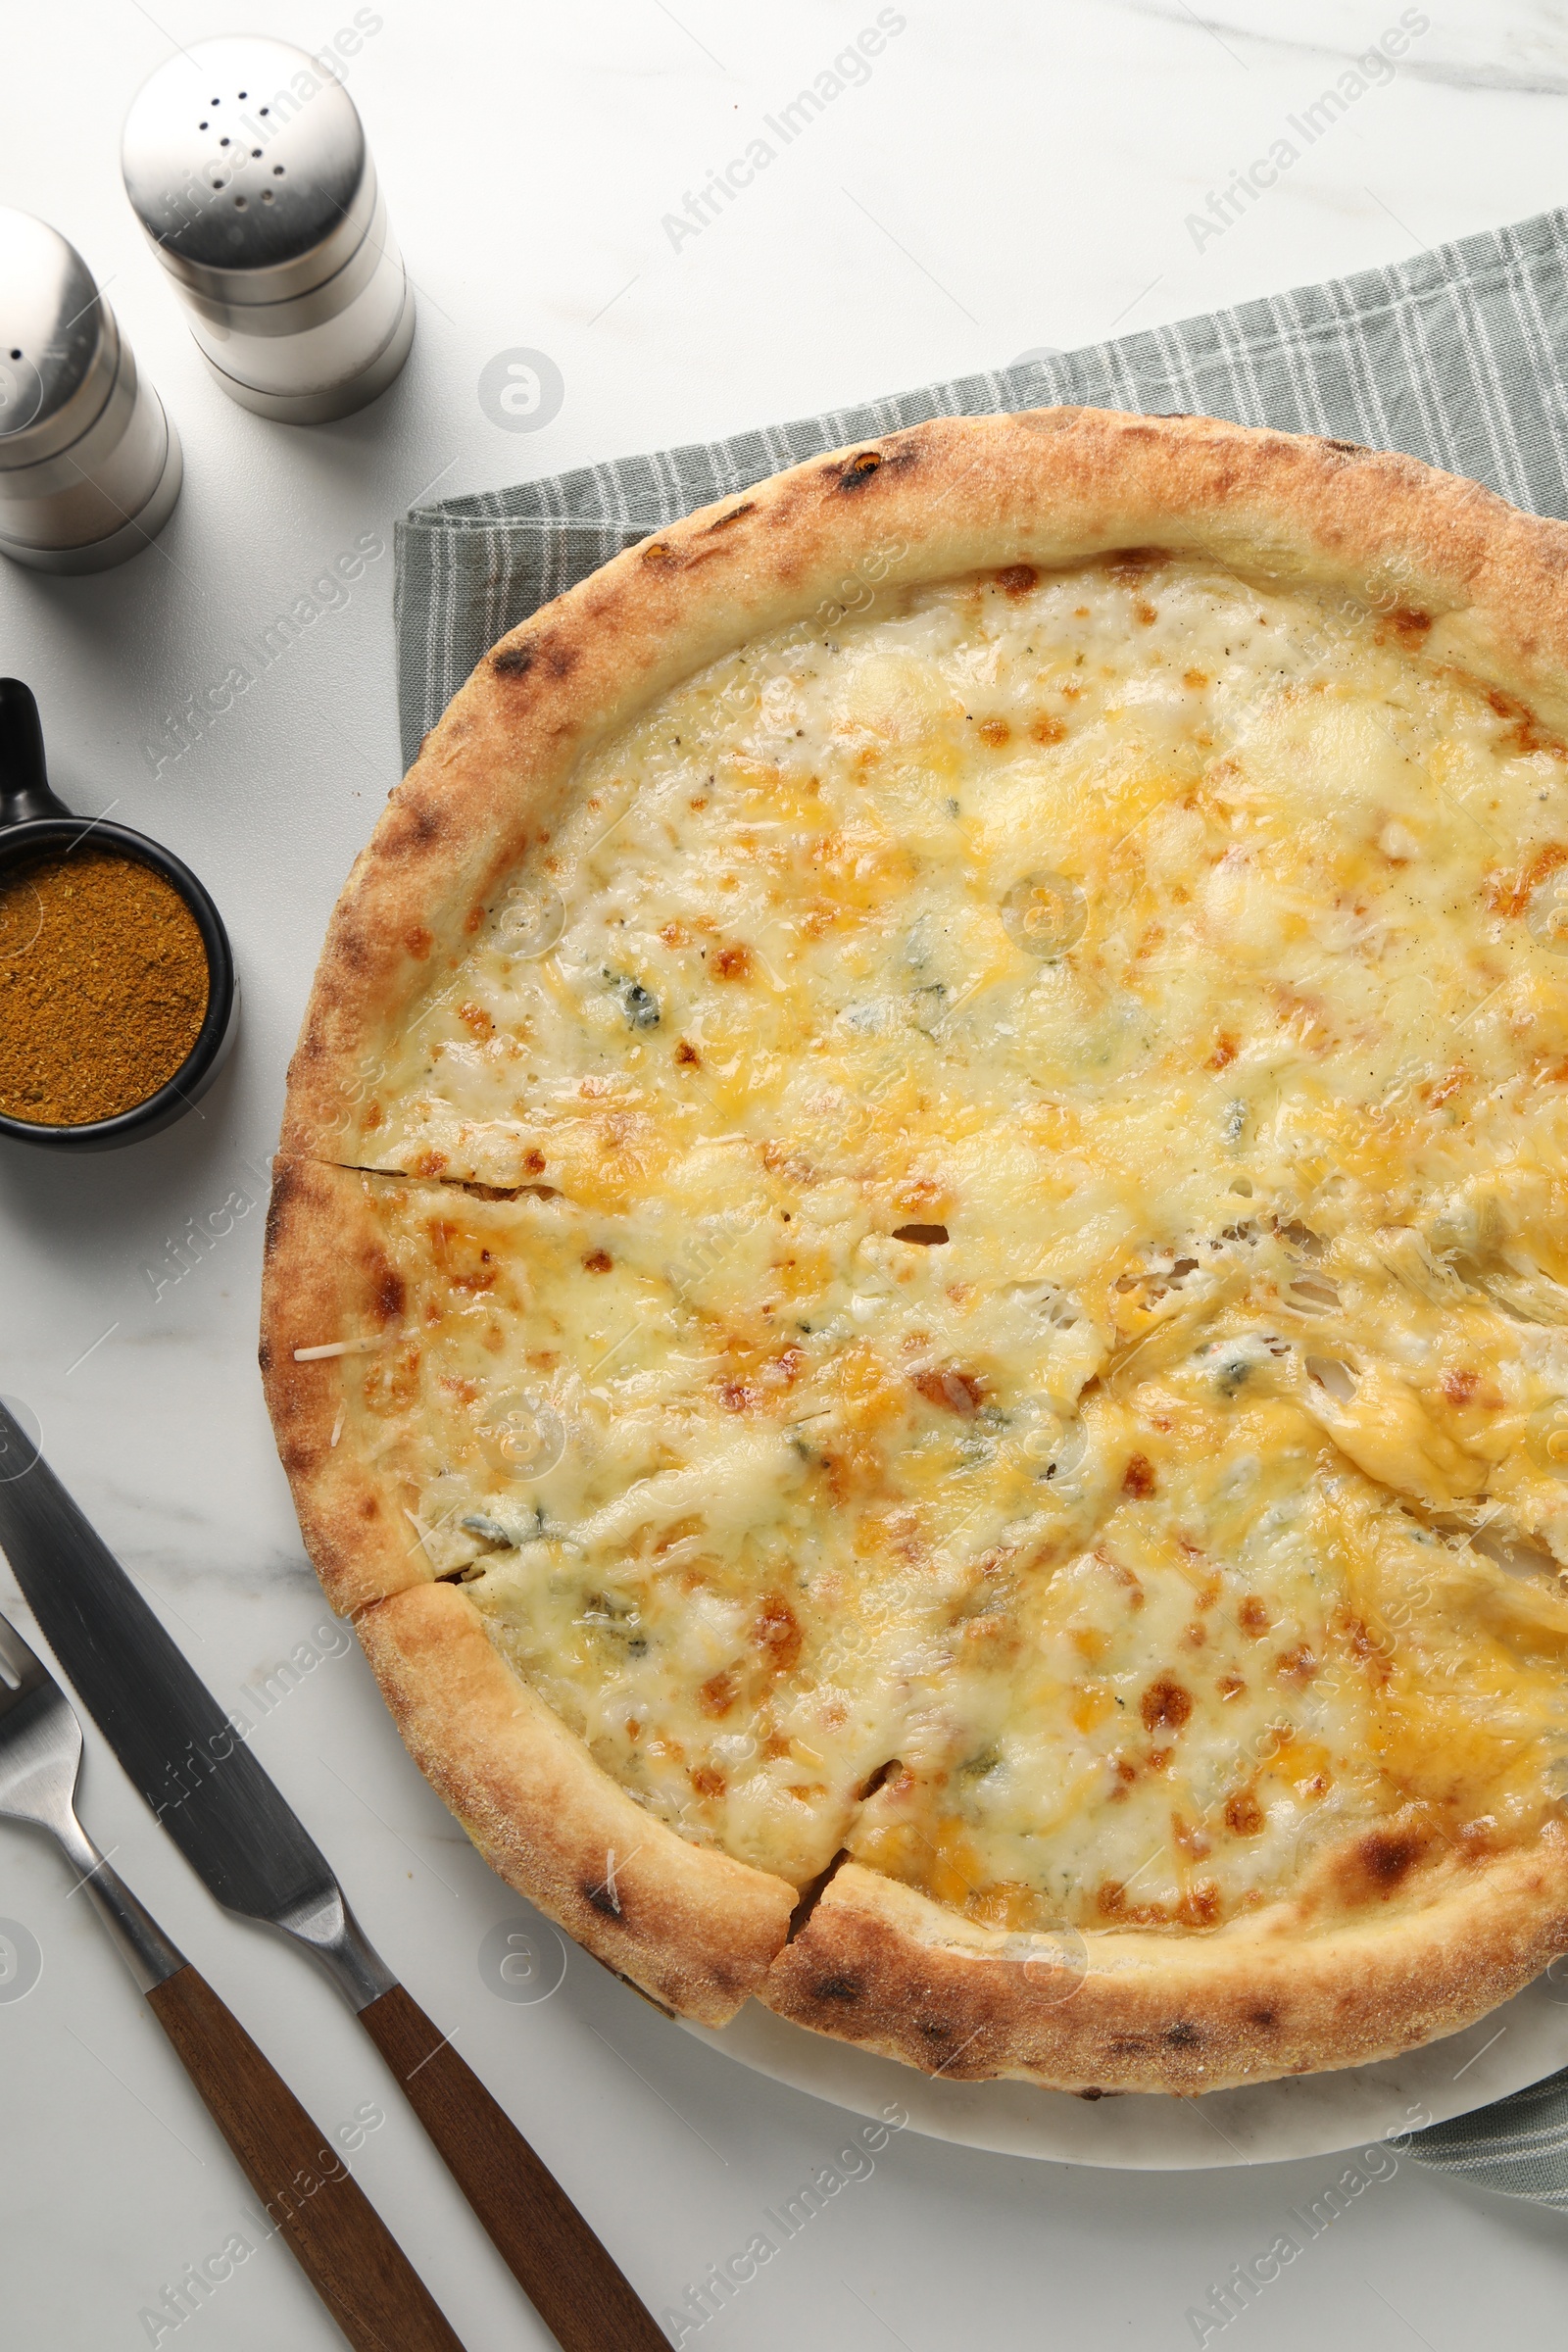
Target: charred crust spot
x=1138, y=1479
x=603, y=1898
x=1164, y=1705
x=355, y=950
x=929, y=1236
x=418, y=822
x=1266, y=2018
x=285, y=1184
x=1182, y=2036
x=1346, y=449
x=747, y=506
x=516, y=661
x=391, y=1294
x=837, y=1988
x=1385, y=1856
x=1091, y=2092
x=857, y=471
x=1016, y=579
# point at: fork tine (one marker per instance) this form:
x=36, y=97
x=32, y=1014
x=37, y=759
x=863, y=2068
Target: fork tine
x=21, y=1659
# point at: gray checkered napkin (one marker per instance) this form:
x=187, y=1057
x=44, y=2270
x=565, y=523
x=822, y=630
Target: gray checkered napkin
x=1459, y=357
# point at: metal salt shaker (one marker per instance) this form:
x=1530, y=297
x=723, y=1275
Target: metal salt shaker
x=89, y=463
x=246, y=163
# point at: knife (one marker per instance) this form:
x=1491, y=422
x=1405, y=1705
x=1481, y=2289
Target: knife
x=253, y=1852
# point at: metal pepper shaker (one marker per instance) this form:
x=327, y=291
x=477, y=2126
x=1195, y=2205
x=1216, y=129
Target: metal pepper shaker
x=246, y=163
x=89, y=463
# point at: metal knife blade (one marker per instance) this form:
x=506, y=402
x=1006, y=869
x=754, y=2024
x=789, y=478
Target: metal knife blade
x=228, y=1817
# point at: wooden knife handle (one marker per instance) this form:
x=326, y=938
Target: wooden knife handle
x=549, y=2248
x=332, y=2229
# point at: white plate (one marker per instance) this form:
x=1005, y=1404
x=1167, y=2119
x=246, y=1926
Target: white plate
x=1265, y=2123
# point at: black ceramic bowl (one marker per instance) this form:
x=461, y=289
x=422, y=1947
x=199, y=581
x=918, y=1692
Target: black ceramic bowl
x=33, y=820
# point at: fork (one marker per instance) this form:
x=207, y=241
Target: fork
x=307, y=2191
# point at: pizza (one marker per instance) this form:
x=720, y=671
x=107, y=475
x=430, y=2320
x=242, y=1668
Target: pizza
x=917, y=1281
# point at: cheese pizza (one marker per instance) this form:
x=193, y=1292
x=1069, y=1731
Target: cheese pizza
x=917, y=1287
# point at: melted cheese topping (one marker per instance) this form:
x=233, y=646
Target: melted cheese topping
x=1029, y=1341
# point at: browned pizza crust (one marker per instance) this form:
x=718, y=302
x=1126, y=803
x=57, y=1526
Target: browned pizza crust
x=1469, y=575
x=327, y=1279
x=1323, y=1982
x=687, y=1925
x=884, y=1965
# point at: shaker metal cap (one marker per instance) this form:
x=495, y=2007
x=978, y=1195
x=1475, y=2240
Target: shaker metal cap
x=89, y=463
x=247, y=167
x=51, y=330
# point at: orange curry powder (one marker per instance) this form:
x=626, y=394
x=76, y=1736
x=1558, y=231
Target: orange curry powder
x=103, y=985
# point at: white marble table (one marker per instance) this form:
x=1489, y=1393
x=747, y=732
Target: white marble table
x=1009, y=176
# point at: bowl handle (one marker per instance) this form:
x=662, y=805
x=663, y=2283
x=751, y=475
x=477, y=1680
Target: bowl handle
x=23, y=782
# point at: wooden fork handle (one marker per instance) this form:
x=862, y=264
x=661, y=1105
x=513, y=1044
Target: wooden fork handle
x=549, y=2248
x=332, y=2229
